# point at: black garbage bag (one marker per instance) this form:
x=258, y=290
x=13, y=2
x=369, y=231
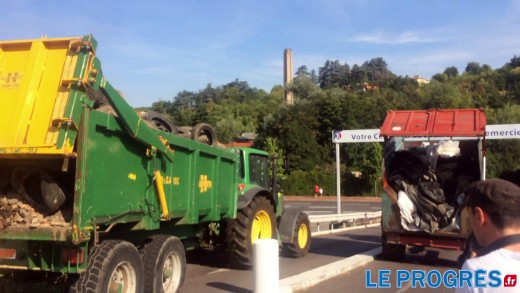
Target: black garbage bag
x=432, y=190
x=409, y=165
x=430, y=215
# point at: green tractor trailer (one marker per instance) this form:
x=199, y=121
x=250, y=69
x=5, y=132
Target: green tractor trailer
x=105, y=198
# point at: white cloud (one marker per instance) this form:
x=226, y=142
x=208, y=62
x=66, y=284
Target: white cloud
x=401, y=38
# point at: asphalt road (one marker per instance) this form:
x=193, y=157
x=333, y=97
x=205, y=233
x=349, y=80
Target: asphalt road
x=356, y=280
x=209, y=272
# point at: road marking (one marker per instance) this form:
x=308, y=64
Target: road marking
x=311, y=278
x=218, y=271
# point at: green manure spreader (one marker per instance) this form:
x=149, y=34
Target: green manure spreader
x=108, y=199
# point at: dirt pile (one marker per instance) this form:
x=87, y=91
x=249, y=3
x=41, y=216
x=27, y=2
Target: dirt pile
x=15, y=212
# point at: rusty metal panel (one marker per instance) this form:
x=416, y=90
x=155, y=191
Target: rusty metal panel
x=439, y=122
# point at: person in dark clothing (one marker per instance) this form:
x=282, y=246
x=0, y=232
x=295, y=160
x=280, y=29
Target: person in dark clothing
x=494, y=212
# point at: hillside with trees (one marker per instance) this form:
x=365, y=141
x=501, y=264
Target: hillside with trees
x=340, y=96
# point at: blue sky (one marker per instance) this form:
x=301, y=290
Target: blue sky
x=151, y=50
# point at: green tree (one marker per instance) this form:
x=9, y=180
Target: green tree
x=276, y=153
x=377, y=70
x=333, y=74
x=442, y=96
x=451, y=71
x=366, y=158
x=304, y=88
x=358, y=75
x=473, y=68
x=302, y=71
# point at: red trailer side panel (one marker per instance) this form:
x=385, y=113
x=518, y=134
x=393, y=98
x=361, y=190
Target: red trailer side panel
x=437, y=122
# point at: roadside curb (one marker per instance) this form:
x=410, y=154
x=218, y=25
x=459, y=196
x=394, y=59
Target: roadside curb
x=321, y=274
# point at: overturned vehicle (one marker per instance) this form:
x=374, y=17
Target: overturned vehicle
x=430, y=158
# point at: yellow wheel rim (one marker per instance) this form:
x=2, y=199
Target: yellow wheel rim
x=302, y=236
x=261, y=226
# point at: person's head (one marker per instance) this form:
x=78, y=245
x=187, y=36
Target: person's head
x=494, y=208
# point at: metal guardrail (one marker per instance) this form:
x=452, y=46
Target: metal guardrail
x=345, y=221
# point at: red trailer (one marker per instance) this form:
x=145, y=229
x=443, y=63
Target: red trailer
x=430, y=157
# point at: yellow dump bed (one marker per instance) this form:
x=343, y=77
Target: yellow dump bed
x=35, y=77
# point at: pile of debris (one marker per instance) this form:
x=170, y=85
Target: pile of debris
x=15, y=212
x=429, y=180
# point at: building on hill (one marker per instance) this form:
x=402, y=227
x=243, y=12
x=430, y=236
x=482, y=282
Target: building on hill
x=247, y=139
x=421, y=80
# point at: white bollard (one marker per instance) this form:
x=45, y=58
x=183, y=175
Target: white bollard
x=266, y=269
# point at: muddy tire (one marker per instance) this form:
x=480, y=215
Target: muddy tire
x=159, y=121
x=256, y=221
x=53, y=196
x=164, y=261
x=39, y=189
x=301, y=241
x=204, y=133
x=113, y=266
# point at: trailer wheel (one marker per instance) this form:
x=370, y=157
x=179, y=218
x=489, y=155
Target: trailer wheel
x=113, y=266
x=203, y=132
x=394, y=252
x=161, y=122
x=256, y=221
x=301, y=242
x=164, y=263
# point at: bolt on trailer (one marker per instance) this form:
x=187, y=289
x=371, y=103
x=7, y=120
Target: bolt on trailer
x=113, y=198
x=429, y=158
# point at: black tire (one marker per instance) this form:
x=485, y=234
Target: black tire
x=393, y=252
x=204, y=133
x=52, y=195
x=109, y=263
x=301, y=242
x=161, y=122
x=242, y=230
x=161, y=254
x=39, y=189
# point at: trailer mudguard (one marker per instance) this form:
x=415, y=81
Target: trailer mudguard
x=287, y=224
x=246, y=198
